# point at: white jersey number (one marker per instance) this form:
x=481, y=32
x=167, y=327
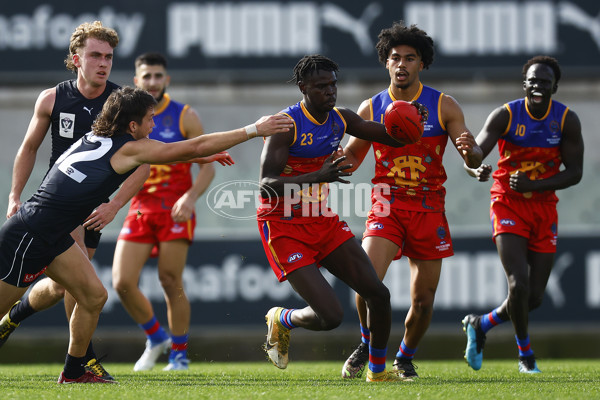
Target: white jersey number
x=66, y=160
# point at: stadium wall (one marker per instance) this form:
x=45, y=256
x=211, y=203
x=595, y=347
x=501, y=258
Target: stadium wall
x=231, y=285
x=228, y=278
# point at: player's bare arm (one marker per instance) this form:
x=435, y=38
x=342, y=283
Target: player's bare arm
x=106, y=212
x=193, y=128
x=493, y=128
x=148, y=151
x=274, y=158
x=495, y=125
x=463, y=139
x=223, y=158
x=367, y=130
x=26, y=155
x=184, y=207
x=356, y=149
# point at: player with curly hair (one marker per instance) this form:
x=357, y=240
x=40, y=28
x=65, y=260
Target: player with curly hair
x=416, y=226
x=37, y=238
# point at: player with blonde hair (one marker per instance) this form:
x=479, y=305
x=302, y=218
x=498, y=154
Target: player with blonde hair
x=68, y=110
x=37, y=239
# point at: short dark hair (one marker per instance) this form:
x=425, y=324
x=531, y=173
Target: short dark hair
x=151, y=58
x=312, y=63
x=546, y=60
x=399, y=34
x=122, y=106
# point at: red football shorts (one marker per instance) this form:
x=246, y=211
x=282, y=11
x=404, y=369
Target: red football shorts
x=535, y=220
x=419, y=235
x=292, y=246
x=155, y=228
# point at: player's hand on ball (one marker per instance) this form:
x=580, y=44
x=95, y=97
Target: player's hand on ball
x=422, y=110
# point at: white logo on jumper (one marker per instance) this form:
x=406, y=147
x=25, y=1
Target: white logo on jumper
x=66, y=125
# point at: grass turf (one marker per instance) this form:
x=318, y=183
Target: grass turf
x=560, y=379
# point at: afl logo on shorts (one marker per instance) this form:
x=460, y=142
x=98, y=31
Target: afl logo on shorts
x=294, y=257
x=375, y=226
x=177, y=228
x=507, y=222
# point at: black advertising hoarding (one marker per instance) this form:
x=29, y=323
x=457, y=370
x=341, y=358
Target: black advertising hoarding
x=261, y=41
x=229, y=283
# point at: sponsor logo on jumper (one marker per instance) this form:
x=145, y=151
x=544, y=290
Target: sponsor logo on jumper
x=66, y=125
x=295, y=257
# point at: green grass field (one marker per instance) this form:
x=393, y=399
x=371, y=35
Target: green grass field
x=561, y=379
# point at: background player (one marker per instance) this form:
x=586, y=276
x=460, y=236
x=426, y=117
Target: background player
x=416, y=225
x=161, y=220
x=535, y=136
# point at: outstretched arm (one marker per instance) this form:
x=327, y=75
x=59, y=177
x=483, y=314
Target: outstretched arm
x=367, y=130
x=150, y=151
x=356, y=149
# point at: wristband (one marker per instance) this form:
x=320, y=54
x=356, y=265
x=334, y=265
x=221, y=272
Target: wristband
x=251, y=131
